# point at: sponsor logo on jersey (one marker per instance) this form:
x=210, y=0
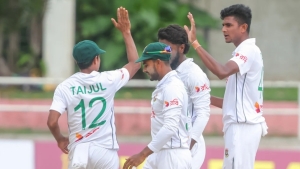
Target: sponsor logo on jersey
x=174, y=102
x=244, y=58
x=171, y=103
x=166, y=104
x=80, y=137
x=201, y=88
x=258, y=107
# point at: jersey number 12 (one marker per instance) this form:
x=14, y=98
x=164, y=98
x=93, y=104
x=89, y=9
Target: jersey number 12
x=82, y=107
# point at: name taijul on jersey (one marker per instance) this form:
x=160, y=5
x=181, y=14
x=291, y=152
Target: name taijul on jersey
x=87, y=89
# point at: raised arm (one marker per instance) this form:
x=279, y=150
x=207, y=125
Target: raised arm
x=221, y=71
x=123, y=24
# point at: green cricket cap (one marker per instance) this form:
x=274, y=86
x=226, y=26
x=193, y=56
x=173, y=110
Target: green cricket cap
x=85, y=51
x=156, y=50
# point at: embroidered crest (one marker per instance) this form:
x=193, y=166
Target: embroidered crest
x=226, y=152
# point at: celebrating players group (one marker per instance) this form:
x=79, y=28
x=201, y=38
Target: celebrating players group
x=180, y=104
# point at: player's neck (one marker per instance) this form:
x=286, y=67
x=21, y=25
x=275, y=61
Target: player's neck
x=163, y=72
x=242, y=39
x=86, y=71
x=181, y=59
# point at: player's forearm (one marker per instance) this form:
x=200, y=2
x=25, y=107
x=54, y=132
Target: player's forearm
x=132, y=54
x=146, y=152
x=55, y=130
x=199, y=126
x=215, y=67
x=160, y=139
x=216, y=101
x=170, y=126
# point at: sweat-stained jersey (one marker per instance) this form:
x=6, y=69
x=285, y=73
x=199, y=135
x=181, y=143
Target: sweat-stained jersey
x=88, y=100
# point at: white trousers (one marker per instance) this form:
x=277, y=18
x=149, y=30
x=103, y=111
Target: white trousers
x=98, y=158
x=198, y=153
x=241, y=144
x=169, y=159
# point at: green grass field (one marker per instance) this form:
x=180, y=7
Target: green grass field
x=271, y=94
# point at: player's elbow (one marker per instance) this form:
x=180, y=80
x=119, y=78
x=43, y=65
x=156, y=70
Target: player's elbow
x=221, y=75
x=173, y=127
x=133, y=68
x=51, y=123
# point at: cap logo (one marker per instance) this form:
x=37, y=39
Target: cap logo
x=167, y=50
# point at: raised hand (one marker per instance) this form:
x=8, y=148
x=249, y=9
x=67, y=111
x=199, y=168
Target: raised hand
x=123, y=22
x=191, y=33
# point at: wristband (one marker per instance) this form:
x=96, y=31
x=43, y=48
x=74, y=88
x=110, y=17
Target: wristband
x=196, y=44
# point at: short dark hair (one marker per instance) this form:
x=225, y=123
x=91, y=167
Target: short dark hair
x=176, y=35
x=85, y=65
x=166, y=62
x=241, y=13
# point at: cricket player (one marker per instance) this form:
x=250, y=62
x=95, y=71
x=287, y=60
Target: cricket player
x=88, y=98
x=197, y=85
x=243, y=99
x=169, y=148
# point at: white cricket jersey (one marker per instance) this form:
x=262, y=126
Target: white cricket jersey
x=243, y=99
x=89, y=102
x=168, y=119
x=197, y=85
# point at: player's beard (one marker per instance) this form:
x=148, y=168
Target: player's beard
x=154, y=76
x=175, y=61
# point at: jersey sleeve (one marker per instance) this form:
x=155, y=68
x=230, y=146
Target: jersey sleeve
x=120, y=77
x=244, y=59
x=59, y=102
x=199, y=90
x=173, y=105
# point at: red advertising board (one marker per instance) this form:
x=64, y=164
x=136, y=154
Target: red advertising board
x=48, y=156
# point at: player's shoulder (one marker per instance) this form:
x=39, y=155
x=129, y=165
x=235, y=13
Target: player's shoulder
x=67, y=81
x=248, y=48
x=72, y=79
x=195, y=73
x=112, y=73
x=174, y=84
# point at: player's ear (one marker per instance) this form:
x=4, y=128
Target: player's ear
x=181, y=48
x=156, y=63
x=244, y=27
x=96, y=59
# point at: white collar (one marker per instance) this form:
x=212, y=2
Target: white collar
x=166, y=77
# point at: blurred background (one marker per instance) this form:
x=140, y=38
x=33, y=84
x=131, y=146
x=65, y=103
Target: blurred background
x=36, y=42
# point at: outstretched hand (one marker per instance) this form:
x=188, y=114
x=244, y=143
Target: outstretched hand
x=191, y=33
x=123, y=22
